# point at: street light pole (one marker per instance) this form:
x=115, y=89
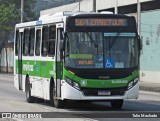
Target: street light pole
x=94, y=5
x=139, y=16
x=22, y=6
x=79, y=5
x=116, y=7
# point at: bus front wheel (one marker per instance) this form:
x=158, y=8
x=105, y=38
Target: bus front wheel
x=54, y=101
x=29, y=98
x=117, y=104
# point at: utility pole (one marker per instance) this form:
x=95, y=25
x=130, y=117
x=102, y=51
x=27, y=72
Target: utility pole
x=22, y=6
x=139, y=16
x=79, y=5
x=116, y=7
x=94, y=5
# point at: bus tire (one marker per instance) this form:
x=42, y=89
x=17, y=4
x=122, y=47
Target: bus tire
x=55, y=102
x=39, y=100
x=117, y=104
x=29, y=98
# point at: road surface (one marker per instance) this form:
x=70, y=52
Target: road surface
x=12, y=100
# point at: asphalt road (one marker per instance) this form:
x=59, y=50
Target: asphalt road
x=12, y=100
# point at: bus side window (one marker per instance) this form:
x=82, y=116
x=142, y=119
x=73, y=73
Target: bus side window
x=16, y=42
x=26, y=42
x=45, y=37
x=38, y=38
x=52, y=38
x=31, y=42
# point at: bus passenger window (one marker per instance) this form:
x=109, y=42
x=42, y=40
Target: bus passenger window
x=16, y=42
x=52, y=38
x=26, y=42
x=31, y=42
x=38, y=39
x=52, y=32
x=45, y=37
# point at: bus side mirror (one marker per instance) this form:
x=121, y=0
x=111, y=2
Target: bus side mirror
x=61, y=45
x=139, y=42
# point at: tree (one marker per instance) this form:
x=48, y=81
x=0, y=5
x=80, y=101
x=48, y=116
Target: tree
x=10, y=15
x=8, y=18
x=29, y=13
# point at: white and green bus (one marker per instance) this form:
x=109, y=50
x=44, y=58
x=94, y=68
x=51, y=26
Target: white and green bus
x=78, y=56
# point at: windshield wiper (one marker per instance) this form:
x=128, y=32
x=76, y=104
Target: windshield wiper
x=112, y=43
x=114, y=40
x=92, y=41
x=90, y=37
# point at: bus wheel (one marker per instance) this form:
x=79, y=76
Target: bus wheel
x=29, y=98
x=56, y=102
x=39, y=100
x=117, y=104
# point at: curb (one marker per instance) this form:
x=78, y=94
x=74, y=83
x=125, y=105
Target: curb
x=152, y=87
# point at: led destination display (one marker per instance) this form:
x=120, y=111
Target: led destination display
x=100, y=22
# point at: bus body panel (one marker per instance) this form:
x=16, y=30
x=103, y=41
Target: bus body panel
x=40, y=80
x=16, y=82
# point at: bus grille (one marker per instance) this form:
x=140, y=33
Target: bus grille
x=94, y=92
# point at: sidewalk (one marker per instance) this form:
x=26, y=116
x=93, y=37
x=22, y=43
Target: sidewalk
x=148, y=86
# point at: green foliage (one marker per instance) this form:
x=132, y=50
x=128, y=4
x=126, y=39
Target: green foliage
x=10, y=11
x=8, y=17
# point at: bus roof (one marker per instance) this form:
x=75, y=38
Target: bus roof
x=60, y=16
x=39, y=22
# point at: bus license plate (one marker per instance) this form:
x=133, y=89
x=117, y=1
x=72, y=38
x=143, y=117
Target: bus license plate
x=103, y=92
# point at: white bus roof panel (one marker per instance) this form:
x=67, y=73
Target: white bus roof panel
x=39, y=22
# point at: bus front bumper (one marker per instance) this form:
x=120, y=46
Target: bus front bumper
x=69, y=92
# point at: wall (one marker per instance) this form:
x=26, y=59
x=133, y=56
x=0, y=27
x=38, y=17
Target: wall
x=150, y=58
x=10, y=57
x=87, y=5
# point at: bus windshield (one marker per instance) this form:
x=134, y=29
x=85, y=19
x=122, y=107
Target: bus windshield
x=101, y=50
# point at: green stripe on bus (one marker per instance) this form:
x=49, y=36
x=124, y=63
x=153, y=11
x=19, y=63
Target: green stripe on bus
x=97, y=83
x=45, y=69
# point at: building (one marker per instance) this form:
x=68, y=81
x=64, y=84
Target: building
x=149, y=28
x=40, y=5
x=7, y=58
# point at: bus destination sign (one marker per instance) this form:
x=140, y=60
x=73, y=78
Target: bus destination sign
x=80, y=22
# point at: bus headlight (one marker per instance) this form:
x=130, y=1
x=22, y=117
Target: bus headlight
x=76, y=85
x=132, y=83
x=69, y=81
x=73, y=84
